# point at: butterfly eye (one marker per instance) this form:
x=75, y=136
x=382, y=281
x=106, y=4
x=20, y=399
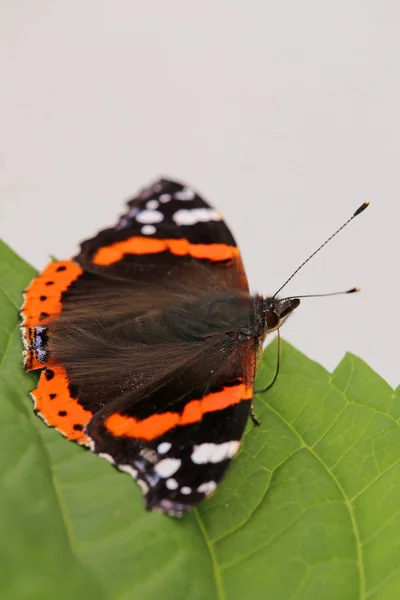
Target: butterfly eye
x=271, y=319
x=276, y=311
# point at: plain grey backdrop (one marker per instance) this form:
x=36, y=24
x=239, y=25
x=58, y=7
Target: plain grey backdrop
x=284, y=115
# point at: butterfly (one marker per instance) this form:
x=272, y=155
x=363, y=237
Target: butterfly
x=148, y=343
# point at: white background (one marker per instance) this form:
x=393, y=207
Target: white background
x=285, y=115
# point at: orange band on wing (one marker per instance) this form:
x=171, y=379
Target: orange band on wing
x=155, y=425
x=56, y=406
x=43, y=295
x=181, y=247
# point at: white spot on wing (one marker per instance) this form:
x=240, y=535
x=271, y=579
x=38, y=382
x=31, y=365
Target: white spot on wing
x=107, y=457
x=185, y=194
x=224, y=451
x=207, y=487
x=165, y=198
x=149, y=454
x=143, y=485
x=149, y=216
x=214, y=453
x=152, y=204
x=128, y=469
x=167, y=467
x=171, y=484
x=202, y=454
x=148, y=229
x=186, y=490
x=163, y=447
x=196, y=215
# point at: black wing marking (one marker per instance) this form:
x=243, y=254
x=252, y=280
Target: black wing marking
x=168, y=210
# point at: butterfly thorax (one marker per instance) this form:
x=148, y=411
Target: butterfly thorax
x=237, y=315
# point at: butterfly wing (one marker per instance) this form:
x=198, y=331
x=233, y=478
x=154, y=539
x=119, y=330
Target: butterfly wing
x=117, y=359
x=167, y=231
x=178, y=438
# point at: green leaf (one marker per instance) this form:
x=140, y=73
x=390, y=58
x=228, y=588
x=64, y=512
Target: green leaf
x=309, y=510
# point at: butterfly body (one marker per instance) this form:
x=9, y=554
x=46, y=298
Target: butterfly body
x=148, y=342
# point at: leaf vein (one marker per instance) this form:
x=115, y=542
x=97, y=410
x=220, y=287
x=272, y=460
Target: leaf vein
x=257, y=506
x=273, y=539
x=214, y=562
x=347, y=503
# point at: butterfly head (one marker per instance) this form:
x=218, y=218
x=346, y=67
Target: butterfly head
x=276, y=311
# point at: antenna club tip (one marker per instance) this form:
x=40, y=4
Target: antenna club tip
x=353, y=290
x=361, y=208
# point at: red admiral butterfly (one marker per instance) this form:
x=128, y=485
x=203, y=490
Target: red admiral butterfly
x=149, y=341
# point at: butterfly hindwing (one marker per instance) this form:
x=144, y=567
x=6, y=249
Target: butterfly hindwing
x=176, y=396
x=177, y=441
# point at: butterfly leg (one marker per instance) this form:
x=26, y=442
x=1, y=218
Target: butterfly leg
x=253, y=415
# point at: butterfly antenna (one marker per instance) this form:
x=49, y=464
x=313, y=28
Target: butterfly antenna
x=359, y=210
x=352, y=291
